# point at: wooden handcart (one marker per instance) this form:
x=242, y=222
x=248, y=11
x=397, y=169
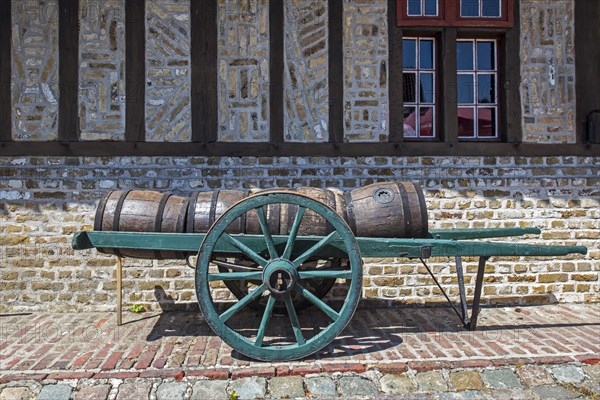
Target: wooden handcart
x=275, y=277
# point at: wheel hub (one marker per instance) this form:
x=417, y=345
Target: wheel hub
x=280, y=276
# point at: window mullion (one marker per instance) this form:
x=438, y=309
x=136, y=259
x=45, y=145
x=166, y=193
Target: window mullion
x=449, y=87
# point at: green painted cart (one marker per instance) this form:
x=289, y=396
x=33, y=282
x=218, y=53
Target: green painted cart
x=275, y=277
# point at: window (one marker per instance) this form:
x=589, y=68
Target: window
x=419, y=87
x=457, y=100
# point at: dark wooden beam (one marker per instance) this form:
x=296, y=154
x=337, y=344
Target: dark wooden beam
x=395, y=94
x=587, y=60
x=405, y=149
x=336, y=71
x=204, y=70
x=510, y=73
x=68, y=55
x=135, y=71
x=449, y=87
x=5, y=72
x=276, y=60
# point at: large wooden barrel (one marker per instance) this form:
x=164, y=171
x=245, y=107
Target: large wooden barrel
x=387, y=209
x=141, y=211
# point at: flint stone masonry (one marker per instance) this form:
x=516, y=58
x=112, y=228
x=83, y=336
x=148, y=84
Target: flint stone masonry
x=102, y=69
x=547, y=71
x=34, y=83
x=168, y=78
x=306, y=81
x=44, y=200
x=243, y=70
x=365, y=71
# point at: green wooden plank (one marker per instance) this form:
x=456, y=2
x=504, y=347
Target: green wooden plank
x=461, y=234
x=370, y=247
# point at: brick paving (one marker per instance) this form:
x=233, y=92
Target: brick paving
x=415, y=350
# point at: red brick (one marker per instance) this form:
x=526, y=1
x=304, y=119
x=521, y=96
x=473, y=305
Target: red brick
x=70, y=375
x=305, y=370
x=589, y=360
x=471, y=364
x=424, y=366
x=159, y=362
x=553, y=360
x=282, y=370
x=112, y=361
x=81, y=360
x=500, y=362
x=345, y=367
x=116, y=375
x=265, y=372
x=210, y=373
x=162, y=373
x=390, y=368
x=22, y=377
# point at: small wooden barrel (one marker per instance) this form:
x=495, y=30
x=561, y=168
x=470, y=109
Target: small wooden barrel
x=141, y=211
x=387, y=209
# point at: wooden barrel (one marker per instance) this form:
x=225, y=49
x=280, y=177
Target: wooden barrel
x=387, y=209
x=141, y=211
x=205, y=207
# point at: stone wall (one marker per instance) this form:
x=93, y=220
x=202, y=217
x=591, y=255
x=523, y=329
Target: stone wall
x=102, y=70
x=548, y=71
x=35, y=70
x=45, y=199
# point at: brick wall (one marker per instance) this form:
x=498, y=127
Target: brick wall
x=45, y=199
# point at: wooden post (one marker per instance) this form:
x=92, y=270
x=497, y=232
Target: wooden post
x=119, y=291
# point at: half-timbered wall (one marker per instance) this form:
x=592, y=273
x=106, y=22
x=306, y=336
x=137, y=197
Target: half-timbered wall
x=180, y=96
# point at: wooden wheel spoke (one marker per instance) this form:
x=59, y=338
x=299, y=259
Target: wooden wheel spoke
x=242, y=303
x=325, y=274
x=320, y=304
x=230, y=276
x=293, y=233
x=264, y=321
x=313, y=249
x=262, y=219
x=289, y=305
x=244, y=249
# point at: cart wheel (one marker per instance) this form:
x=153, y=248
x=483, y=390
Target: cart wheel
x=318, y=287
x=278, y=277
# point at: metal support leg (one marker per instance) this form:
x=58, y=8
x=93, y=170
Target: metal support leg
x=461, y=290
x=119, y=291
x=477, y=294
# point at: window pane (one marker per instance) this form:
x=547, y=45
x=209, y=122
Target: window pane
x=464, y=55
x=414, y=7
x=431, y=7
x=486, y=122
x=409, y=89
x=409, y=53
x=410, y=121
x=466, y=89
x=426, y=92
x=426, y=121
x=486, y=56
x=465, y=122
x=426, y=55
x=469, y=8
x=490, y=8
x=486, y=88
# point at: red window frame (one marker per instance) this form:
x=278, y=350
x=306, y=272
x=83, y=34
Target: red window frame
x=449, y=15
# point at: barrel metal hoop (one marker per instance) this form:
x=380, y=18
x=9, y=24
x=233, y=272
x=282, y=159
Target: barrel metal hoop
x=350, y=212
x=407, y=211
x=245, y=194
x=159, y=213
x=118, y=208
x=423, y=206
x=99, y=218
x=191, y=213
x=332, y=203
x=213, y=207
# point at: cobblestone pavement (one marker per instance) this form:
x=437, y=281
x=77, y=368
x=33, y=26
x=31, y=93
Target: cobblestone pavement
x=518, y=352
